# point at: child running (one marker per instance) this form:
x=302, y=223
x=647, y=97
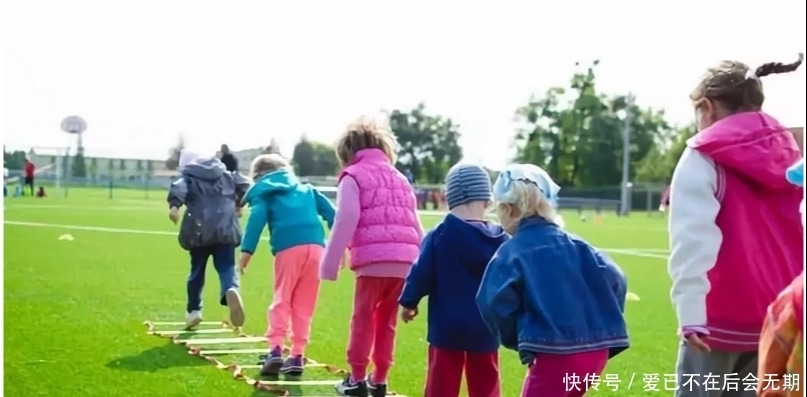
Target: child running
x=209, y=227
x=549, y=295
x=377, y=220
x=292, y=210
x=732, y=246
x=781, y=345
x=449, y=269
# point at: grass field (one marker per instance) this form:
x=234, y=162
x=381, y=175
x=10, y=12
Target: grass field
x=74, y=309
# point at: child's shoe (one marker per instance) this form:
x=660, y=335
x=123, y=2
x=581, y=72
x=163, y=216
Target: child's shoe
x=376, y=389
x=293, y=366
x=193, y=319
x=236, y=306
x=273, y=363
x=353, y=388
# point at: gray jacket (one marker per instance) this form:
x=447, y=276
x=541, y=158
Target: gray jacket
x=210, y=194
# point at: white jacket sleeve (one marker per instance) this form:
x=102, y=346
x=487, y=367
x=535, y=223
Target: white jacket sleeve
x=695, y=238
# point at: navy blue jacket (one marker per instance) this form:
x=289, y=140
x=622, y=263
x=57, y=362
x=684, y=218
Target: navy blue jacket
x=546, y=291
x=452, y=260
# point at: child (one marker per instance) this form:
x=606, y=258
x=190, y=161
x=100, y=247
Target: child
x=377, y=220
x=291, y=209
x=449, y=269
x=41, y=192
x=209, y=228
x=782, y=340
x=731, y=222
x=547, y=294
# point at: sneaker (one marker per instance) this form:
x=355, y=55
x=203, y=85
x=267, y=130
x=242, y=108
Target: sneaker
x=272, y=363
x=236, y=307
x=350, y=387
x=376, y=389
x=193, y=319
x=293, y=366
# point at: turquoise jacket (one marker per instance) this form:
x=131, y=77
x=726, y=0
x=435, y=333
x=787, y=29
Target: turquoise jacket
x=290, y=208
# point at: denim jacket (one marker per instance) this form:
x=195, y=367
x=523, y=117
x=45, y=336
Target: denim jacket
x=546, y=291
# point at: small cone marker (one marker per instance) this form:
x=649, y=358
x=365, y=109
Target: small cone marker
x=66, y=237
x=632, y=297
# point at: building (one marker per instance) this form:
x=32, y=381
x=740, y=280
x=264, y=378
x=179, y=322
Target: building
x=49, y=161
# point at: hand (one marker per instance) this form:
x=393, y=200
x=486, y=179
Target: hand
x=244, y=262
x=173, y=214
x=408, y=315
x=345, y=260
x=697, y=341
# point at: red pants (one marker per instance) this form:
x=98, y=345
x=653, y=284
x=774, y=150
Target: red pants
x=372, y=326
x=563, y=375
x=445, y=373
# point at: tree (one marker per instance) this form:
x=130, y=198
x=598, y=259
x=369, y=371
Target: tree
x=14, y=160
x=429, y=144
x=314, y=158
x=577, y=133
x=658, y=165
x=172, y=163
x=79, y=167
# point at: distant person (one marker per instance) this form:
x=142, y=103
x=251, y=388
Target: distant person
x=731, y=223
x=453, y=258
x=41, y=192
x=29, y=171
x=209, y=227
x=228, y=159
x=383, y=233
x=292, y=210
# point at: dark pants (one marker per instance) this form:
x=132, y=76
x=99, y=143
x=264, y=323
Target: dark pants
x=29, y=181
x=444, y=378
x=223, y=261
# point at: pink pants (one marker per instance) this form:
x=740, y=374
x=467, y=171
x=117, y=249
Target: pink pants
x=563, y=375
x=445, y=373
x=372, y=326
x=295, y=297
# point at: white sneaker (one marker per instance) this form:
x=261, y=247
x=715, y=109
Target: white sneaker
x=193, y=319
x=236, y=306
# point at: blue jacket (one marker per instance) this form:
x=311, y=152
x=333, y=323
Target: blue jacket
x=210, y=193
x=291, y=209
x=546, y=291
x=452, y=260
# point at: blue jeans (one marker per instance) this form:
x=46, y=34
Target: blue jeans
x=223, y=261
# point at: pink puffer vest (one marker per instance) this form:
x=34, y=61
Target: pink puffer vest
x=388, y=229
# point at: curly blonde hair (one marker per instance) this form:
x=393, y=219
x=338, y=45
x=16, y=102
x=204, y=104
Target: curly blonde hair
x=367, y=132
x=266, y=163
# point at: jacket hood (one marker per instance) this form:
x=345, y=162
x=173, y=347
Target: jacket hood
x=280, y=180
x=479, y=241
x=751, y=144
x=210, y=169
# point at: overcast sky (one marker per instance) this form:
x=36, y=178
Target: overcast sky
x=242, y=72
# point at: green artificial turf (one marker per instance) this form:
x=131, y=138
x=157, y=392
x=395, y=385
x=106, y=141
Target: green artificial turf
x=74, y=309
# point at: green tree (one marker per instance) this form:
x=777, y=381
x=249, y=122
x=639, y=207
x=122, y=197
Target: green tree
x=428, y=144
x=314, y=158
x=658, y=165
x=576, y=133
x=14, y=160
x=79, y=166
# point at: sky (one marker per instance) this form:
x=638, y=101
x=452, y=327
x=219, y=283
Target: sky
x=244, y=72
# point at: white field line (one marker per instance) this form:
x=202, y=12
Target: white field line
x=622, y=251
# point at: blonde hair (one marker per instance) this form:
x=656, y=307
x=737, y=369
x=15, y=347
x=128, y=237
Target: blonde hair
x=734, y=85
x=267, y=163
x=367, y=132
x=528, y=200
